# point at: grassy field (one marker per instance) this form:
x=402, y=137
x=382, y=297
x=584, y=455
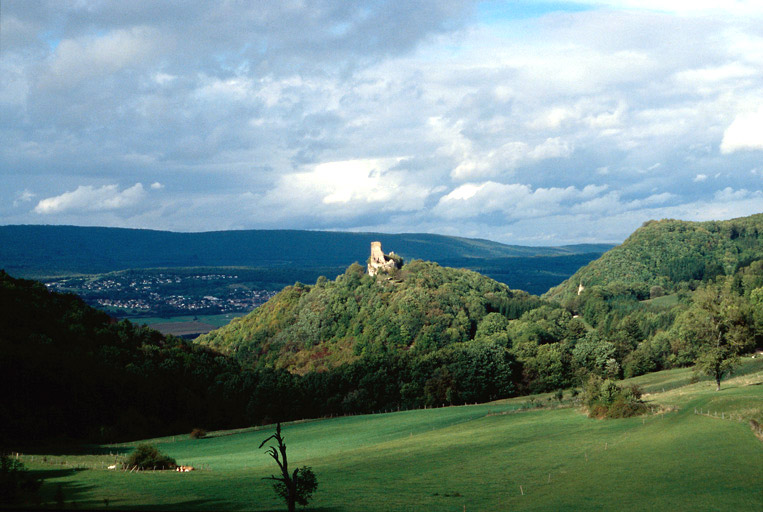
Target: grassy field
x=214, y=320
x=497, y=456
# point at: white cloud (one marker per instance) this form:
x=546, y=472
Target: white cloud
x=502, y=160
x=714, y=75
x=491, y=163
x=231, y=89
x=346, y=188
x=613, y=203
x=472, y=199
x=513, y=200
x=87, y=198
x=700, y=178
x=729, y=194
x=82, y=58
x=156, y=186
x=24, y=197
x=554, y=117
x=652, y=200
x=551, y=148
x=744, y=133
x=164, y=78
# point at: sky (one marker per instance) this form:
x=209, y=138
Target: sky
x=523, y=122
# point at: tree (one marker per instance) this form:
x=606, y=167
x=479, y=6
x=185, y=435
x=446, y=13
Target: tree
x=717, y=362
x=729, y=328
x=296, y=487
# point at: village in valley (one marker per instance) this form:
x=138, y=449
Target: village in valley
x=166, y=293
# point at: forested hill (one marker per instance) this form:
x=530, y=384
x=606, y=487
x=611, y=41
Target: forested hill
x=31, y=251
x=70, y=371
x=668, y=256
x=421, y=308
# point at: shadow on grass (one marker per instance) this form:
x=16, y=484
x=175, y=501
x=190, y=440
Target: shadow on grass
x=58, y=449
x=306, y=509
x=217, y=505
x=47, y=474
x=57, y=494
x=197, y=504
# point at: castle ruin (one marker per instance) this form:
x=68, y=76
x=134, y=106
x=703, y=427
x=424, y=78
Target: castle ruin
x=380, y=262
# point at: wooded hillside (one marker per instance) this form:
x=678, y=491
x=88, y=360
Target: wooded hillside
x=668, y=256
x=422, y=307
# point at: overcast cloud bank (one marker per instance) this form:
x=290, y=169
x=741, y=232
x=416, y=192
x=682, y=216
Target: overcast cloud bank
x=522, y=122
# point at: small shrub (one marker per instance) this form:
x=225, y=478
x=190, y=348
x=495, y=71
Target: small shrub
x=198, y=433
x=624, y=407
x=605, y=399
x=148, y=456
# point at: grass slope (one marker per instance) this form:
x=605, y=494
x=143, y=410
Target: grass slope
x=470, y=457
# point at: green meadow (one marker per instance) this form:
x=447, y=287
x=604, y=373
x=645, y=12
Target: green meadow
x=505, y=455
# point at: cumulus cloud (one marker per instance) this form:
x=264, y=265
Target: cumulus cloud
x=87, y=198
x=513, y=200
x=502, y=160
x=744, y=133
x=342, y=188
x=729, y=194
x=82, y=58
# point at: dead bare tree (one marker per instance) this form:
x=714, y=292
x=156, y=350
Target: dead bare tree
x=296, y=487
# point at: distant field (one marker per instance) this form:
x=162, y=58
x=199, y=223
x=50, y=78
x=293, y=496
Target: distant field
x=484, y=457
x=666, y=301
x=184, y=328
x=213, y=320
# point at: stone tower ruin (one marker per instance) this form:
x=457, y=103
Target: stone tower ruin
x=380, y=262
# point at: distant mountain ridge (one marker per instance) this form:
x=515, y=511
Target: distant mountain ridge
x=30, y=250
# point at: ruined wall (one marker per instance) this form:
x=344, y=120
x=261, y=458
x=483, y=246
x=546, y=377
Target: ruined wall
x=380, y=262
